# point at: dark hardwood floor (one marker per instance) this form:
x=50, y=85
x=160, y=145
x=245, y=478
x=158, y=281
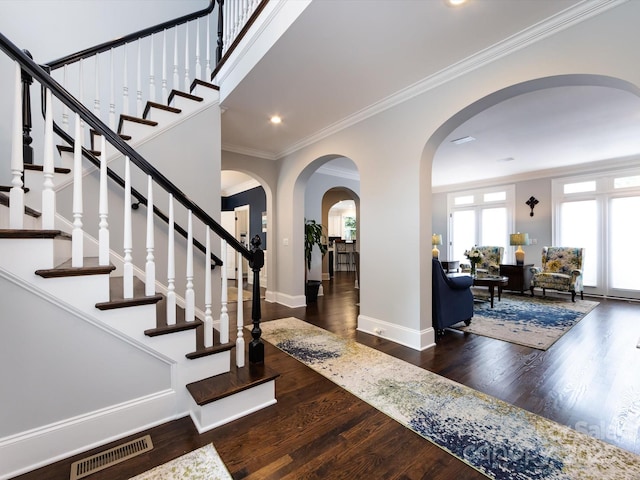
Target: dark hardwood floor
x=588, y=380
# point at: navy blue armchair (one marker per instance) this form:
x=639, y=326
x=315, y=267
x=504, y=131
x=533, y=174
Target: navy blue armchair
x=452, y=299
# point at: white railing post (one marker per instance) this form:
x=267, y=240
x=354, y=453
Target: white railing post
x=139, y=82
x=96, y=95
x=176, y=77
x=165, y=93
x=240, y=320
x=48, y=194
x=103, y=208
x=125, y=83
x=128, y=240
x=150, y=267
x=171, y=268
x=152, y=78
x=65, y=109
x=198, y=73
x=187, y=80
x=77, y=235
x=208, y=319
x=16, y=195
x=112, y=97
x=189, y=295
x=208, y=45
x=224, y=312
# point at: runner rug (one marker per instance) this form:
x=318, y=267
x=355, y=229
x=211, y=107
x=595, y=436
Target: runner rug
x=535, y=322
x=496, y=438
x=201, y=464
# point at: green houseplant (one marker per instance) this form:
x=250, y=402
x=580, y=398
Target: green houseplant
x=313, y=235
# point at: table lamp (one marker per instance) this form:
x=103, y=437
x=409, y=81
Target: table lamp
x=436, y=239
x=519, y=239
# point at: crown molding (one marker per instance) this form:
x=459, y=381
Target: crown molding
x=227, y=147
x=561, y=21
x=241, y=187
x=339, y=172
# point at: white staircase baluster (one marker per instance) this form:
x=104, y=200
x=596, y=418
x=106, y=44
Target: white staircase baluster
x=187, y=80
x=171, y=268
x=103, y=207
x=139, y=83
x=152, y=78
x=16, y=195
x=65, y=109
x=208, y=319
x=198, y=73
x=165, y=93
x=48, y=194
x=125, y=84
x=128, y=241
x=208, y=44
x=240, y=321
x=150, y=267
x=96, y=101
x=176, y=77
x=112, y=97
x=189, y=296
x=224, y=312
x=77, y=235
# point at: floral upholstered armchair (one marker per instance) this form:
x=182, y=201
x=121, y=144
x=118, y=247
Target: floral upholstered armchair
x=561, y=270
x=490, y=263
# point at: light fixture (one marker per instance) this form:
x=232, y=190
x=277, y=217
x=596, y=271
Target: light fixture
x=275, y=119
x=519, y=239
x=454, y=3
x=461, y=140
x=436, y=239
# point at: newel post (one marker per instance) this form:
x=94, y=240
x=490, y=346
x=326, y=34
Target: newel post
x=256, y=347
x=27, y=149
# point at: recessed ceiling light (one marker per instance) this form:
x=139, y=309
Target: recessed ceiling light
x=276, y=119
x=461, y=140
x=454, y=3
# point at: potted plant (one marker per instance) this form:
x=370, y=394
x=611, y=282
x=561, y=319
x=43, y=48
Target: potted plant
x=313, y=235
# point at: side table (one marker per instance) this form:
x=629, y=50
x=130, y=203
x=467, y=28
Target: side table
x=519, y=276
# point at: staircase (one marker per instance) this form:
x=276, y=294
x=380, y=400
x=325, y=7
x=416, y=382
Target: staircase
x=150, y=354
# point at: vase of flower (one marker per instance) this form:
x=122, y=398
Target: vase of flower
x=475, y=257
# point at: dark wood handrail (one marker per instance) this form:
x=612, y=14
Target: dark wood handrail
x=103, y=47
x=37, y=72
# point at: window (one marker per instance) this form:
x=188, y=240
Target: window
x=480, y=217
x=595, y=212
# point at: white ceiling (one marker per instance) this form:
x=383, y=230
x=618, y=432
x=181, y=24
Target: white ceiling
x=343, y=60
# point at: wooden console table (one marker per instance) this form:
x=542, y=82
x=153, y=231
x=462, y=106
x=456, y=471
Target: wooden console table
x=519, y=276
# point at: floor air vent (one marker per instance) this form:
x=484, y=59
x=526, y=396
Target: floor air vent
x=100, y=461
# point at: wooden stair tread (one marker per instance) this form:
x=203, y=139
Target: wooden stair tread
x=5, y=200
x=205, y=351
x=178, y=93
x=159, y=106
x=65, y=148
x=197, y=81
x=40, y=168
x=237, y=380
x=132, y=119
x=161, y=321
x=117, y=299
x=7, y=188
x=90, y=267
x=5, y=233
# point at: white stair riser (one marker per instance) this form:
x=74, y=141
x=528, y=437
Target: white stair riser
x=137, y=131
x=225, y=410
x=24, y=256
x=132, y=321
x=187, y=105
x=209, y=94
x=81, y=292
x=163, y=117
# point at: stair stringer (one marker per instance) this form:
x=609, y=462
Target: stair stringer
x=43, y=444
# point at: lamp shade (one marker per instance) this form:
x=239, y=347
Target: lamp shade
x=519, y=239
x=436, y=239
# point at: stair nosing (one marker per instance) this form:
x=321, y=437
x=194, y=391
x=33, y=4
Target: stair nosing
x=202, y=400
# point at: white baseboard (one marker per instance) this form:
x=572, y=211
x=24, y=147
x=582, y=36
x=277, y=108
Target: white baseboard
x=30, y=450
x=291, y=301
x=418, y=340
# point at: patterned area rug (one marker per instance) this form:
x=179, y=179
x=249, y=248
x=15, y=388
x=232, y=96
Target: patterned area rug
x=498, y=439
x=201, y=464
x=535, y=322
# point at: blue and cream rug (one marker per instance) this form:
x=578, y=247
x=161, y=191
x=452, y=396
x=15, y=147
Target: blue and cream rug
x=535, y=322
x=201, y=464
x=498, y=439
